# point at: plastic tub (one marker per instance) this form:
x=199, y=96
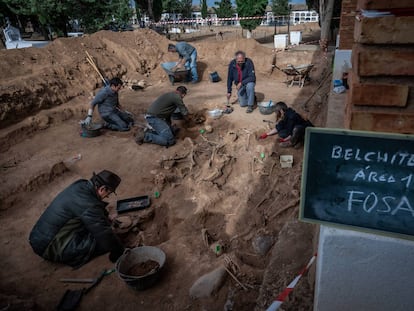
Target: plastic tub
x=92, y=130
x=136, y=256
x=266, y=107
x=215, y=114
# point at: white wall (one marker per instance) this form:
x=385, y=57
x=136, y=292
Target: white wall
x=362, y=272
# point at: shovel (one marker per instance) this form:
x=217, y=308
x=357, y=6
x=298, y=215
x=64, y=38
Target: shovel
x=72, y=298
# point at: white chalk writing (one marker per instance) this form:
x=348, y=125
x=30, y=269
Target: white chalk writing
x=370, y=176
x=401, y=158
x=381, y=204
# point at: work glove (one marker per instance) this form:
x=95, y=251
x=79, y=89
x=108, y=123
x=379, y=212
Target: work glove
x=263, y=136
x=87, y=121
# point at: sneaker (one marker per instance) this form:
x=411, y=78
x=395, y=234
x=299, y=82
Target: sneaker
x=249, y=109
x=139, y=136
x=175, y=130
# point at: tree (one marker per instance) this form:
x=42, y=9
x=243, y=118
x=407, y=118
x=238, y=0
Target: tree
x=326, y=11
x=280, y=7
x=57, y=14
x=251, y=8
x=186, y=7
x=171, y=6
x=224, y=8
x=151, y=7
x=329, y=16
x=157, y=9
x=204, y=8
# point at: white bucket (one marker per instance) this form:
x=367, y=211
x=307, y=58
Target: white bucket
x=280, y=41
x=295, y=37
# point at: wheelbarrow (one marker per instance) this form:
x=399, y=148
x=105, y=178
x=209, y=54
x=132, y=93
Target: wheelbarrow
x=174, y=75
x=296, y=74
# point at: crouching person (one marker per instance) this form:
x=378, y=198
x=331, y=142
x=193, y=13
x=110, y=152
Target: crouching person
x=290, y=126
x=75, y=227
x=158, y=117
x=110, y=110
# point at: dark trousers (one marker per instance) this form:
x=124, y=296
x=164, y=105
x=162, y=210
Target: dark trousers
x=298, y=133
x=119, y=121
x=162, y=134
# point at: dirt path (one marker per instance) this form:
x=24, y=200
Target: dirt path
x=215, y=181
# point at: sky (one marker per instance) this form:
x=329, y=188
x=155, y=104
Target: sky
x=211, y=2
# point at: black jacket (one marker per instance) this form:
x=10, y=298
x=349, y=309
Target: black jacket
x=248, y=74
x=75, y=227
x=290, y=120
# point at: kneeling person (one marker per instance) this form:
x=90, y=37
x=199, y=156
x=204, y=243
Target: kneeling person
x=290, y=127
x=75, y=227
x=109, y=108
x=241, y=73
x=159, y=118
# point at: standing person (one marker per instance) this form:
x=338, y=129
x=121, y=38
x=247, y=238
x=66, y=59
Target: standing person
x=187, y=57
x=159, y=118
x=75, y=227
x=290, y=127
x=109, y=108
x=241, y=73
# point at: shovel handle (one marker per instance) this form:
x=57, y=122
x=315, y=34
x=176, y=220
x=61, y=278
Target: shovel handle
x=68, y=280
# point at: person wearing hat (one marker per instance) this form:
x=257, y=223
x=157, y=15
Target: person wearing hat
x=75, y=227
x=187, y=57
x=290, y=127
x=109, y=108
x=160, y=131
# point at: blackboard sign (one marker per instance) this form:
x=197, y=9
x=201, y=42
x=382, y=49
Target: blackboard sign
x=359, y=179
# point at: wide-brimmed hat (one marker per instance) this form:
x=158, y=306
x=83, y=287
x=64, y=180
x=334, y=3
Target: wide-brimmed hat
x=109, y=179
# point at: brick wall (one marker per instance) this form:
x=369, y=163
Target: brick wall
x=381, y=94
x=346, y=25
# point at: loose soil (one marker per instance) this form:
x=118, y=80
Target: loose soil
x=215, y=182
x=143, y=268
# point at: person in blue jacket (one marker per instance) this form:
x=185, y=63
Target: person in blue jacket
x=187, y=57
x=241, y=73
x=115, y=117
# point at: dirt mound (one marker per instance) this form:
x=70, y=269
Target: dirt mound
x=223, y=182
x=43, y=78
x=39, y=79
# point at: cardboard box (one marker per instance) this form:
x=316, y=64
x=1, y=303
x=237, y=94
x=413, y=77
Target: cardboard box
x=286, y=161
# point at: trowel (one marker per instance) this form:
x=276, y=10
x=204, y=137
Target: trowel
x=72, y=298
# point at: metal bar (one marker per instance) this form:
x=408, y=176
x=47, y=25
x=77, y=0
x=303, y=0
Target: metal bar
x=69, y=280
